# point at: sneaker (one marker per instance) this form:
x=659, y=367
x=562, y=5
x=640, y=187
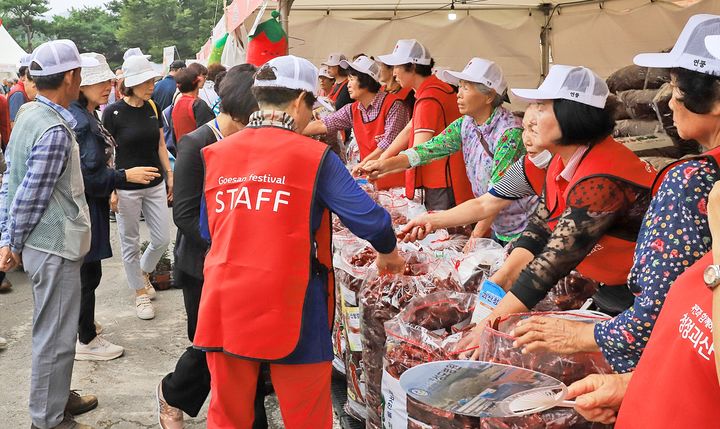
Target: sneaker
x=5, y=285
x=143, y=307
x=169, y=417
x=67, y=423
x=98, y=328
x=77, y=404
x=149, y=289
x=3, y=343
x=98, y=349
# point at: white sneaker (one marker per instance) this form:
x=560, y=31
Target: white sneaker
x=149, y=289
x=143, y=307
x=98, y=349
x=98, y=328
x=3, y=343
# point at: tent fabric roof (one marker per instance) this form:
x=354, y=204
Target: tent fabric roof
x=10, y=53
x=422, y=4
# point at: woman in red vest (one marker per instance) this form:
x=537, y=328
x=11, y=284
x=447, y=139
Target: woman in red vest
x=376, y=117
x=190, y=112
x=444, y=181
x=339, y=94
x=596, y=192
x=268, y=290
x=392, y=86
x=679, y=204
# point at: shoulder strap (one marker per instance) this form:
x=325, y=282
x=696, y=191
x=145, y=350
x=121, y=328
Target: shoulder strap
x=152, y=104
x=215, y=131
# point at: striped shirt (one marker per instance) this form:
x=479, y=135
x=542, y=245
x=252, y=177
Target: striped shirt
x=45, y=165
x=514, y=184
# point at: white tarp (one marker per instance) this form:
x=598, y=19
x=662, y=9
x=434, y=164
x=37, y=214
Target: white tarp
x=9, y=54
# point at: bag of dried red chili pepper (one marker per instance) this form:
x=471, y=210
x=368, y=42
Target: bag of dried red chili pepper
x=426, y=330
x=352, y=263
x=384, y=296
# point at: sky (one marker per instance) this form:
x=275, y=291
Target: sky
x=60, y=7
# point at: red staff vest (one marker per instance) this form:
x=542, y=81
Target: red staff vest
x=183, y=117
x=448, y=172
x=18, y=87
x=611, y=259
x=675, y=384
x=263, y=252
x=534, y=175
x=335, y=90
x=365, y=134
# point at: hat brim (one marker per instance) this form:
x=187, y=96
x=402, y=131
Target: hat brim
x=393, y=60
x=135, y=80
x=531, y=95
x=712, y=44
x=331, y=64
x=656, y=60
x=346, y=65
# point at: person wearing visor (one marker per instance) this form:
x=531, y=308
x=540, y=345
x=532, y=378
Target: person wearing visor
x=525, y=178
x=596, y=193
x=136, y=125
x=376, y=117
x=679, y=204
x=444, y=181
x=42, y=183
x=268, y=290
x=338, y=94
x=488, y=136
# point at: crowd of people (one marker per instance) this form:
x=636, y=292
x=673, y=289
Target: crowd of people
x=229, y=156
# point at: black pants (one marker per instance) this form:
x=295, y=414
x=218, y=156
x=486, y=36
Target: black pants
x=188, y=386
x=90, y=275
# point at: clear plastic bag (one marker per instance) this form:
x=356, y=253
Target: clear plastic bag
x=425, y=331
x=570, y=293
x=381, y=298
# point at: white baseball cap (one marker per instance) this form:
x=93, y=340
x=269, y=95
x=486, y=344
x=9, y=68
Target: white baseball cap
x=365, y=65
x=134, y=52
x=138, y=69
x=689, y=51
x=58, y=56
x=324, y=72
x=569, y=83
x=478, y=70
x=334, y=59
x=96, y=74
x=24, y=60
x=712, y=44
x=291, y=72
x=407, y=51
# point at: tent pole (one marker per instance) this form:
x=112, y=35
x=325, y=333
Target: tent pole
x=284, y=6
x=547, y=10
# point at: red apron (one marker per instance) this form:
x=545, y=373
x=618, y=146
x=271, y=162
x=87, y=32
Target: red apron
x=675, y=384
x=367, y=132
x=263, y=251
x=611, y=259
x=448, y=172
x=335, y=90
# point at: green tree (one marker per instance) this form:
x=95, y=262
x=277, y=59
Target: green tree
x=92, y=29
x=26, y=14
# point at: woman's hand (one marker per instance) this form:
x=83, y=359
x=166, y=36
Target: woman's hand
x=169, y=183
x=374, y=169
x=598, y=397
x=554, y=334
x=391, y=263
x=141, y=175
x=114, y=202
x=418, y=228
x=469, y=344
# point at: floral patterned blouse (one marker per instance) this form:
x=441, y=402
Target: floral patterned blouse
x=502, y=133
x=673, y=236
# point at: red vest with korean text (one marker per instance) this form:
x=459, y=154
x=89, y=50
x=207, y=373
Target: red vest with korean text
x=611, y=259
x=448, y=172
x=535, y=175
x=335, y=90
x=259, y=188
x=675, y=385
x=367, y=132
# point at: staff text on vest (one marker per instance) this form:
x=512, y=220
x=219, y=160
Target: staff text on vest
x=232, y=198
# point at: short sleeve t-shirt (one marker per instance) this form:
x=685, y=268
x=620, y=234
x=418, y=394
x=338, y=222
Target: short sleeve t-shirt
x=428, y=115
x=137, y=134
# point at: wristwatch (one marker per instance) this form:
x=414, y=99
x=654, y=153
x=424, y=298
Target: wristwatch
x=712, y=276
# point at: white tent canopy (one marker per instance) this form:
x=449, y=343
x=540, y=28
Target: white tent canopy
x=9, y=54
x=604, y=36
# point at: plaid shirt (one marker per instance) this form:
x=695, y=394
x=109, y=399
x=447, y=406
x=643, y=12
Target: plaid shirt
x=397, y=117
x=47, y=159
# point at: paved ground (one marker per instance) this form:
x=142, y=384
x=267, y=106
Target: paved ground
x=125, y=386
